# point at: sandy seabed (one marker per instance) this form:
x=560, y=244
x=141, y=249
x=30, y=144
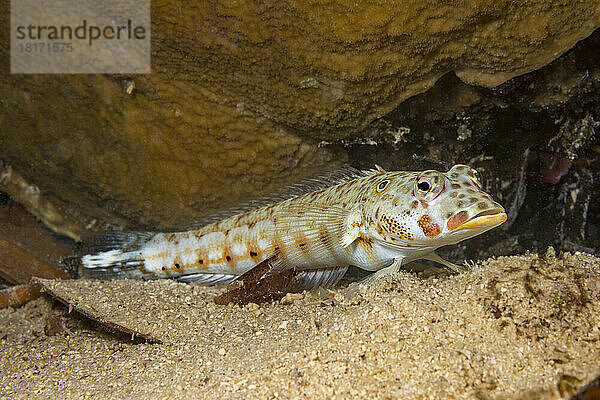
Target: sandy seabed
x=515, y=327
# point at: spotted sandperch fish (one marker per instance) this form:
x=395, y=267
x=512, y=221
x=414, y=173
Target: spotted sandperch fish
x=375, y=220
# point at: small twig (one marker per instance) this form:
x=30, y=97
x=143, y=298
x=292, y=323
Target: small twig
x=19, y=266
x=32, y=199
x=46, y=287
x=18, y=295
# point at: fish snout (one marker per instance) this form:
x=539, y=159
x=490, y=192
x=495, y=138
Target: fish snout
x=484, y=215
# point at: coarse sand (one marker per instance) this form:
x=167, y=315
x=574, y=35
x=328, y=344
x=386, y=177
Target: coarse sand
x=525, y=326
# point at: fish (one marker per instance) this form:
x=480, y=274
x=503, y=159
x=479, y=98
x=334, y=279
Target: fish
x=373, y=219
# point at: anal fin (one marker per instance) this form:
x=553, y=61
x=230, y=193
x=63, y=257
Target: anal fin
x=319, y=277
x=207, y=279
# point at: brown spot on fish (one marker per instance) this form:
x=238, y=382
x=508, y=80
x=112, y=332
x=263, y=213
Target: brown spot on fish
x=251, y=224
x=392, y=226
x=424, y=204
x=483, y=205
x=453, y=194
x=455, y=186
x=325, y=240
x=162, y=254
x=323, y=237
x=428, y=226
x=460, y=196
x=471, y=191
x=302, y=246
x=365, y=243
x=457, y=220
x=414, y=204
x=454, y=175
x=381, y=231
x=278, y=247
x=460, y=204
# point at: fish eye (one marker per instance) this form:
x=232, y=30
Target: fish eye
x=383, y=185
x=429, y=185
x=423, y=186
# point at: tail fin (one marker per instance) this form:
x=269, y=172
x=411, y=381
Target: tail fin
x=110, y=255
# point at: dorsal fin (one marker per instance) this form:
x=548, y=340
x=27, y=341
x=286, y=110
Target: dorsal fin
x=309, y=185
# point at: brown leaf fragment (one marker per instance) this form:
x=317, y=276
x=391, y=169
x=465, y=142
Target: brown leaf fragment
x=55, y=325
x=589, y=391
x=258, y=285
x=18, y=295
x=46, y=287
x=19, y=266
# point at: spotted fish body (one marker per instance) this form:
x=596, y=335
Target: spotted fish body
x=369, y=219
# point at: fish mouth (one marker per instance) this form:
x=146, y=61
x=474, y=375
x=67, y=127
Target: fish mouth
x=488, y=218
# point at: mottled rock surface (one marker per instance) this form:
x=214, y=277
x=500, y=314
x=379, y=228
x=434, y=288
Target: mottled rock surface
x=240, y=92
x=535, y=140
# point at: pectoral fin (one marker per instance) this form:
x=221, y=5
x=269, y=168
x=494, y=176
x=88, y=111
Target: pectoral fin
x=391, y=270
x=352, y=227
x=436, y=258
x=323, y=227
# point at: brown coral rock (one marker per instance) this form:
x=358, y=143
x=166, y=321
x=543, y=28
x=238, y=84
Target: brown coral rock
x=239, y=91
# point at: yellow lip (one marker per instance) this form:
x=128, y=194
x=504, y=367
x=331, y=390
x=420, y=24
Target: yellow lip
x=487, y=220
